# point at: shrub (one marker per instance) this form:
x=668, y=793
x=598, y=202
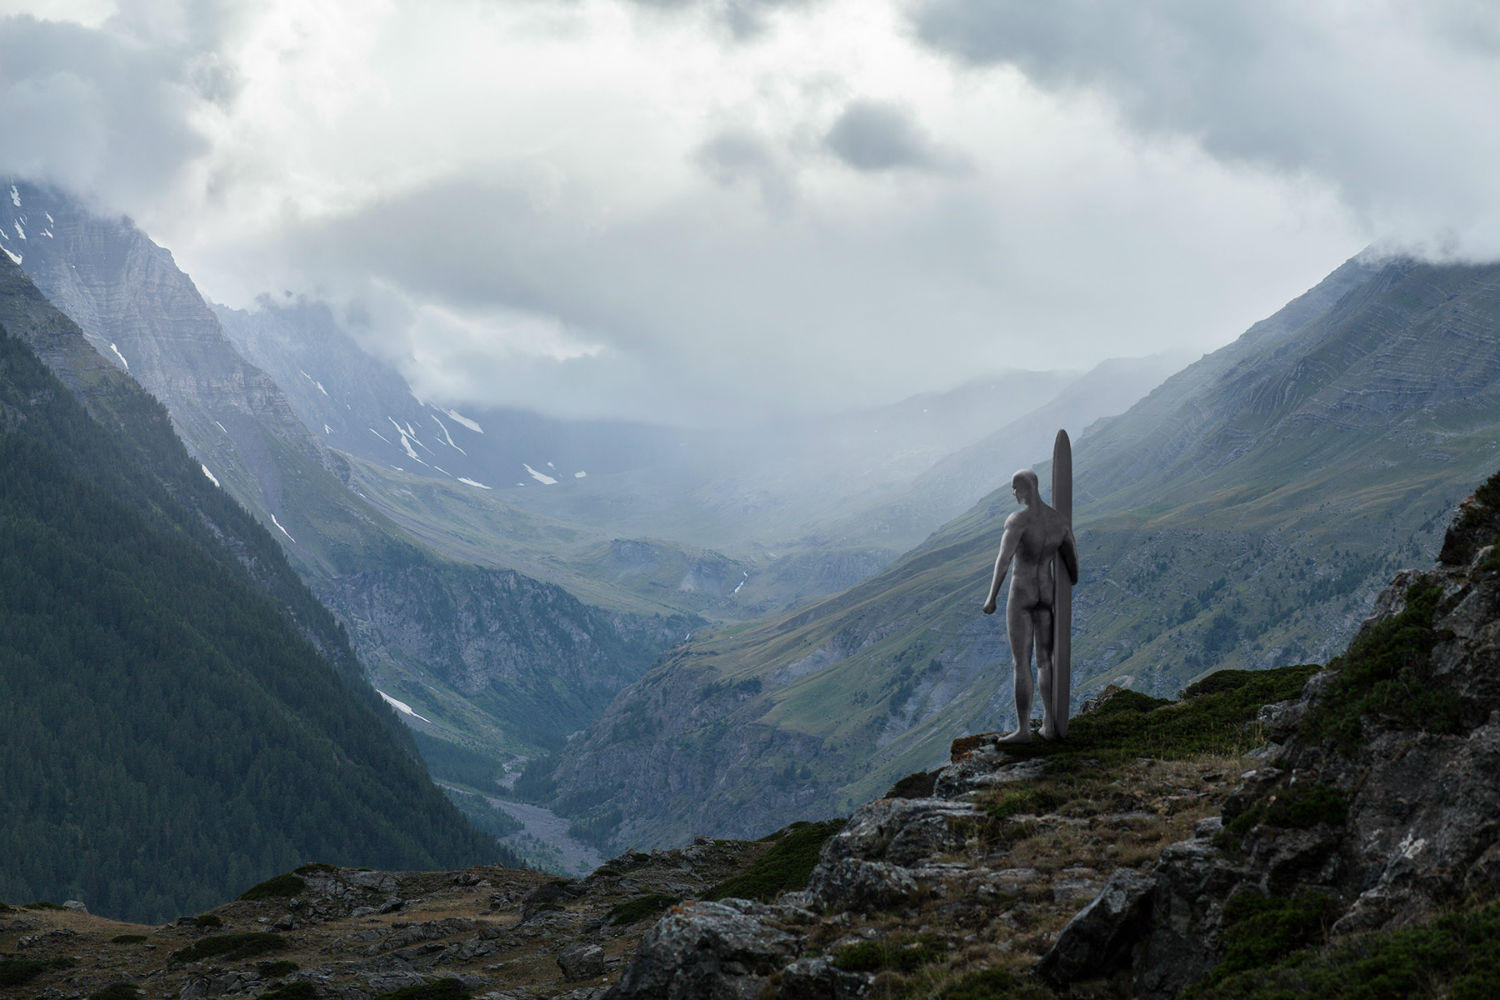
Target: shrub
x=118, y=991
x=1455, y=956
x=1130, y=724
x=1385, y=673
x=987, y=984
x=16, y=971
x=640, y=908
x=1023, y=801
x=231, y=947
x=1260, y=929
x=786, y=867
x=1292, y=807
x=890, y=953
x=275, y=887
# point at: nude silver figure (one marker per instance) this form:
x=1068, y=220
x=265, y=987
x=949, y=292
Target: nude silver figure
x=1035, y=537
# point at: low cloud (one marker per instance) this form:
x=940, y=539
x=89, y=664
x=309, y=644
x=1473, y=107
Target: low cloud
x=107, y=115
x=744, y=19
x=1394, y=104
x=872, y=136
x=735, y=156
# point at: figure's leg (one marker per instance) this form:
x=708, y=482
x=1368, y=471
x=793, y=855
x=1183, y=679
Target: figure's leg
x=1042, y=626
x=1018, y=625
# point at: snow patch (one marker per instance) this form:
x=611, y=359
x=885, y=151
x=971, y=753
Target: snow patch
x=283, y=530
x=19, y=231
x=470, y=482
x=540, y=477
x=221, y=427
x=580, y=475
x=15, y=199
x=313, y=381
x=406, y=441
x=15, y=257
x=446, y=436
x=742, y=583
x=401, y=706
x=380, y=435
x=457, y=417
x=112, y=347
x=327, y=429
x=211, y=477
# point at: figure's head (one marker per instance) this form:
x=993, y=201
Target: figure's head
x=1027, y=488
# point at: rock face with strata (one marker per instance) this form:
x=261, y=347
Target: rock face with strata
x=1391, y=827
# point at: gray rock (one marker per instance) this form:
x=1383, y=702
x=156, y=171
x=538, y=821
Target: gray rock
x=982, y=769
x=725, y=950
x=819, y=979
x=862, y=886
x=1099, y=939
x=581, y=960
x=1186, y=915
x=901, y=831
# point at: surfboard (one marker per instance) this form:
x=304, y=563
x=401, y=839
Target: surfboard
x=1062, y=593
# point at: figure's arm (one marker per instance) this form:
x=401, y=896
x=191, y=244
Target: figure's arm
x=1008, y=543
x=1068, y=552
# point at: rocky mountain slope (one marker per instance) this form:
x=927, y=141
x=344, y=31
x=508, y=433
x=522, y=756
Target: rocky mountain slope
x=1242, y=515
x=145, y=319
x=1288, y=832
x=179, y=714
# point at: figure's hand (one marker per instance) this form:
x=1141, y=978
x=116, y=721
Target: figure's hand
x=989, y=606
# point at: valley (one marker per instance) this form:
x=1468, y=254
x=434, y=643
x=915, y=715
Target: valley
x=685, y=632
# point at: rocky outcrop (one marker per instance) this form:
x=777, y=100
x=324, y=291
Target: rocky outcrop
x=710, y=951
x=1380, y=799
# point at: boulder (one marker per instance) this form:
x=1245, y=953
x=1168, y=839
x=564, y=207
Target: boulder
x=819, y=979
x=862, y=886
x=581, y=960
x=1099, y=939
x=725, y=950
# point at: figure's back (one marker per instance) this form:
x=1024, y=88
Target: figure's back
x=1042, y=530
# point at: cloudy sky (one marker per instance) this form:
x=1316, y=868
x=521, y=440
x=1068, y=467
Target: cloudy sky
x=714, y=209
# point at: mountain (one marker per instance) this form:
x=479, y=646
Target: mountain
x=364, y=408
x=1241, y=515
x=147, y=320
x=180, y=715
